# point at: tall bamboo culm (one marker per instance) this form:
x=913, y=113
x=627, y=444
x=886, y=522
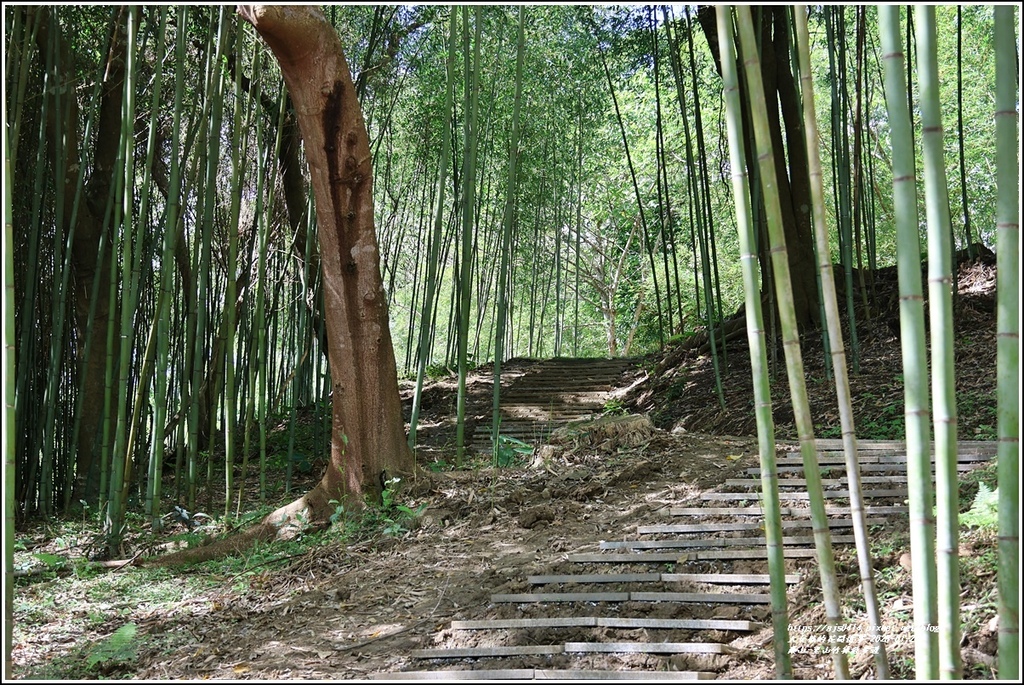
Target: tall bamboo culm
x=837, y=346
x=8, y=417
x=506, y=239
x=1008, y=345
x=791, y=340
x=940, y=307
x=912, y=342
x=758, y=355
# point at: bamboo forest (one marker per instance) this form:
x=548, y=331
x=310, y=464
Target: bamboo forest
x=511, y=342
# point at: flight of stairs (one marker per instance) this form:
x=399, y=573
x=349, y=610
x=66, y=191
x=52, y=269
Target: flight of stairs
x=692, y=587
x=549, y=395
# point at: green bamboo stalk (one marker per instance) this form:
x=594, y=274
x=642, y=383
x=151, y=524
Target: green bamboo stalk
x=115, y=511
x=791, y=340
x=912, y=341
x=835, y=336
x=506, y=237
x=61, y=254
x=758, y=355
x=940, y=306
x=1008, y=345
x=214, y=107
x=472, y=89
x=429, y=307
x=230, y=302
x=10, y=445
x=155, y=476
x=142, y=383
x=257, y=409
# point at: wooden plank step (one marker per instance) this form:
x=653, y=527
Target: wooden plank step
x=836, y=444
x=647, y=647
x=606, y=622
x=568, y=674
x=828, y=494
x=596, y=578
x=663, y=528
x=714, y=542
x=477, y=652
x=690, y=597
x=625, y=557
x=864, y=468
x=469, y=674
x=561, y=597
x=783, y=511
x=514, y=623
x=802, y=482
x=676, y=557
x=727, y=578
x=840, y=459
x=700, y=597
x=788, y=553
x=679, y=624
x=711, y=578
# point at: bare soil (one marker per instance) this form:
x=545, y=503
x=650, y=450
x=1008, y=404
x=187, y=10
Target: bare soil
x=344, y=610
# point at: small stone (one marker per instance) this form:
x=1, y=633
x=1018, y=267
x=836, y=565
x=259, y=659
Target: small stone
x=905, y=562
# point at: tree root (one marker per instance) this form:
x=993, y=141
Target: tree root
x=311, y=511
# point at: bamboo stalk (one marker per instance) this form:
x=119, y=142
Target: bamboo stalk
x=758, y=355
x=506, y=238
x=1008, y=345
x=940, y=306
x=835, y=336
x=791, y=339
x=912, y=341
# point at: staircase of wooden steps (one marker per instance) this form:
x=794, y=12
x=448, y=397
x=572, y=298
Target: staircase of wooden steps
x=696, y=609
x=549, y=395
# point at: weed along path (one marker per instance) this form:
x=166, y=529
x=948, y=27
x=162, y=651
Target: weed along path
x=614, y=550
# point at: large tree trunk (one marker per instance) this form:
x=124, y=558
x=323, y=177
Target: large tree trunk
x=86, y=260
x=368, y=441
x=793, y=178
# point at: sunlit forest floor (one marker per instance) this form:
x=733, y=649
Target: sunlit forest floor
x=352, y=601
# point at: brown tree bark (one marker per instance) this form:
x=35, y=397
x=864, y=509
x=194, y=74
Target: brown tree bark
x=781, y=92
x=86, y=260
x=368, y=441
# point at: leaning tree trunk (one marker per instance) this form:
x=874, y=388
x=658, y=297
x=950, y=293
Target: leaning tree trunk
x=368, y=438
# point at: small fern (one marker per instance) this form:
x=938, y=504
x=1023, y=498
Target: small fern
x=984, y=513
x=119, y=647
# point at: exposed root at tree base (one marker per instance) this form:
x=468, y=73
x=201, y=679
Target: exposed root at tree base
x=311, y=511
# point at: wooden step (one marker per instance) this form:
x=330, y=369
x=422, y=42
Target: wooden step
x=711, y=578
x=659, y=529
x=478, y=652
x=647, y=647
x=675, y=557
x=689, y=597
x=606, y=622
x=828, y=495
x=784, y=511
x=864, y=468
x=715, y=542
x=802, y=482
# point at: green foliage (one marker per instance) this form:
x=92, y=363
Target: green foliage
x=511, y=451
x=119, y=648
x=984, y=513
x=614, y=407
x=389, y=517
